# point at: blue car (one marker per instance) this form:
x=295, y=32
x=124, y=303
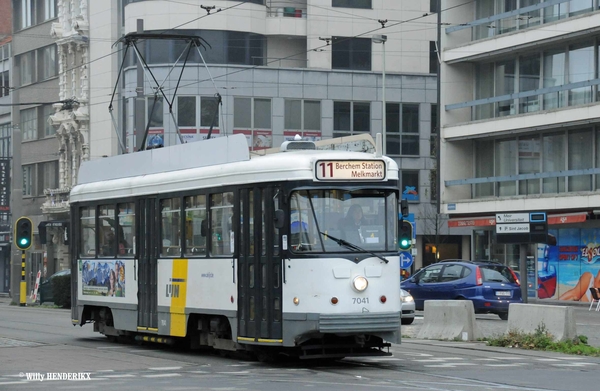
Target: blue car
x=490, y=286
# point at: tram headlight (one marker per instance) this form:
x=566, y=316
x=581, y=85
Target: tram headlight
x=360, y=283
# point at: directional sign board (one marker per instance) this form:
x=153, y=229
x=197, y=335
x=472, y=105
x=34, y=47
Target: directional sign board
x=406, y=260
x=531, y=227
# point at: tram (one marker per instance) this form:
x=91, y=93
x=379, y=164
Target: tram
x=203, y=244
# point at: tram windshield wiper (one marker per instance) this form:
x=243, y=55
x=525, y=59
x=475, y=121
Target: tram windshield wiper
x=352, y=246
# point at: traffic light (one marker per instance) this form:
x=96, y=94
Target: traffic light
x=406, y=234
x=23, y=233
x=404, y=207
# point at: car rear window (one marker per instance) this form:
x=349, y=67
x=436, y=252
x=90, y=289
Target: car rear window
x=493, y=273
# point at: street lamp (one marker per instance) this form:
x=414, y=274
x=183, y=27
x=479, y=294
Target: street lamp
x=382, y=39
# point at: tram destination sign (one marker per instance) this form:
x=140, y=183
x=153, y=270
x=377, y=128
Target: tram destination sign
x=355, y=170
x=531, y=227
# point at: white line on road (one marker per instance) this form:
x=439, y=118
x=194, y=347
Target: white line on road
x=163, y=375
x=165, y=369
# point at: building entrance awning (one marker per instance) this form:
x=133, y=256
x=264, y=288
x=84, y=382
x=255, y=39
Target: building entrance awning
x=489, y=221
x=44, y=225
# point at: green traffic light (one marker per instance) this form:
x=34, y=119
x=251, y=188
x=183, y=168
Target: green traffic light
x=24, y=242
x=404, y=244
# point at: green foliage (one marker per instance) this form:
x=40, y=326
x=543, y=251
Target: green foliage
x=61, y=291
x=541, y=339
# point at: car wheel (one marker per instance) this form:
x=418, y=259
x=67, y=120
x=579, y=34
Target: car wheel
x=408, y=320
x=503, y=315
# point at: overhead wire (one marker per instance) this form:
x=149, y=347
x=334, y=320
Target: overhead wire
x=247, y=68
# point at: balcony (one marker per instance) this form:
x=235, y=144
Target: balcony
x=286, y=18
x=57, y=201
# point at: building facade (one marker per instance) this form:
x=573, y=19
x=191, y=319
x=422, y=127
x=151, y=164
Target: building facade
x=5, y=138
x=519, y=133
x=309, y=67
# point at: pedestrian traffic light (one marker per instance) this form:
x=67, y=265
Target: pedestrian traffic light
x=406, y=234
x=23, y=233
x=404, y=207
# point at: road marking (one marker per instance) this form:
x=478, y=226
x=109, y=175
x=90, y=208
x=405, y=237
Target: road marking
x=165, y=369
x=451, y=365
x=547, y=359
x=234, y=373
x=485, y=359
x=510, y=358
x=506, y=365
x=111, y=347
x=441, y=359
x=117, y=376
x=574, y=364
x=163, y=375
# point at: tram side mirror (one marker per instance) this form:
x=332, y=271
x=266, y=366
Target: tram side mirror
x=203, y=228
x=279, y=218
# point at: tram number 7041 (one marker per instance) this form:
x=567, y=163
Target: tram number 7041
x=360, y=300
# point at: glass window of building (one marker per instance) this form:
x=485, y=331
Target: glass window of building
x=262, y=113
x=47, y=111
x=4, y=84
x=28, y=180
x=505, y=85
x=506, y=164
x=581, y=152
x=484, y=167
x=209, y=111
x=50, y=9
x=312, y=115
x=410, y=129
x=529, y=80
x=530, y=149
x=351, y=53
x=351, y=118
x=47, y=63
x=484, y=88
x=581, y=69
x=554, y=159
x=186, y=111
x=5, y=137
x=293, y=114
x=29, y=124
x=26, y=64
x=50, y=175
x=242, y=112
x=351, y=3
x=155, y=112
x=554, y=75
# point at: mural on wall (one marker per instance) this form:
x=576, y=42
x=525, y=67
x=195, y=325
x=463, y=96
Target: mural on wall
x=568, y=270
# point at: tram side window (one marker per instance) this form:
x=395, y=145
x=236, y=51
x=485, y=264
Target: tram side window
x=170, y=227
x=221, y=212
x=195, y=214
x=107, y=235
x=126, y=230
x=87, y=218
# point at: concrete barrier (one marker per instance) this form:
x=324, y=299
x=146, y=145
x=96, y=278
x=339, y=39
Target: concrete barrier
x=449, y=319
x=557, y=320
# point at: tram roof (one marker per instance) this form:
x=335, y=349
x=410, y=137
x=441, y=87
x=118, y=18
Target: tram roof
x=216, y=162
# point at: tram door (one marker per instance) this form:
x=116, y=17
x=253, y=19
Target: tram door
x=259, y=271
x=147, y=264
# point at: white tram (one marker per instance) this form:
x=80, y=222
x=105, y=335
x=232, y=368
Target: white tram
x=200, y=241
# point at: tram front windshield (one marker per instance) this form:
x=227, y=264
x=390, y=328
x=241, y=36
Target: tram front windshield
x=364, y=218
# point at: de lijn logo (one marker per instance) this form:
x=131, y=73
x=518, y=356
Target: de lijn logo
x=173, y=288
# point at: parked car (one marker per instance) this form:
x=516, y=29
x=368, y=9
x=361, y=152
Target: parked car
x=45, y=288
x=408, y=307
x=490, y=286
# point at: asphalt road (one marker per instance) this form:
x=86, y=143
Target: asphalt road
x=37, y=341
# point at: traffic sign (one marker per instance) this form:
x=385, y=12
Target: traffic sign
x=505, y=218
x=530, y=227
x=406, y=260
x=512, y=228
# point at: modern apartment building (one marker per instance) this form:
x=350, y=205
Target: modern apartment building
x=519, y=132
